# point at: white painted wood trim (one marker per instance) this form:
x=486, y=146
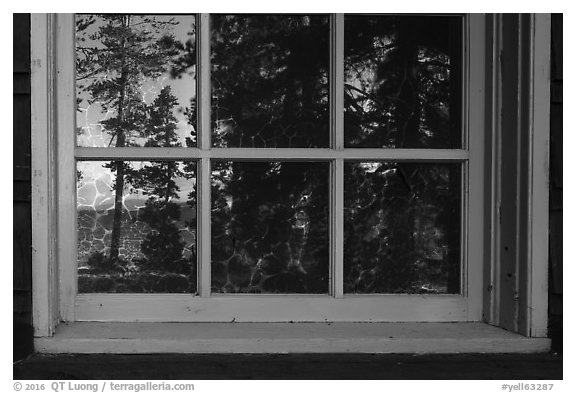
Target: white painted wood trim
x=337, y=80
x=44, y=277
x=473, y=200
x=203, y=95
x=203, y=181
x=85, y=337
x=253, y=154
x=337, y=165
x=271, y=308
x=493, y=170
x=203, y=239
x=337, y=228
x=538, y=167
x=66, y=138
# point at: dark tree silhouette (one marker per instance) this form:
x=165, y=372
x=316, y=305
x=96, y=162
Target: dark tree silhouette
x=163, y=246
x=270, y=80
x=402, y=81
x=270, y=89
x=402, y=90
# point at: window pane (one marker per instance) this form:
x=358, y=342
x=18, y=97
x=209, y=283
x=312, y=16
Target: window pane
x=135, y=80
x=402, y=227
x=403, y=81
x=270, y=80
x=137, y=230
x=270, y=227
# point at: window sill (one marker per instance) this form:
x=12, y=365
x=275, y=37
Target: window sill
x=408, y=337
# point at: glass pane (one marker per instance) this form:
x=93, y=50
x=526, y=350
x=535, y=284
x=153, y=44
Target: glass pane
x=270, y=227
x=270, y=80
x=135, y=80
x=402, y=227
x=403, y=81
x=136, y=226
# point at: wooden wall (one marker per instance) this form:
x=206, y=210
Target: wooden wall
x=555, y=292
x=22, y=255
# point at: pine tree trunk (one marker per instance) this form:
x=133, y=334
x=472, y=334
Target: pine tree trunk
x=118, y=198
x=119, y=185
x=117, y=223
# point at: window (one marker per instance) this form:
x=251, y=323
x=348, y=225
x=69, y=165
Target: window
x=270, y=167
x=260, y=160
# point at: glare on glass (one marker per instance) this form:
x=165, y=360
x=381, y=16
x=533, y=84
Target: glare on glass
x=136, y=226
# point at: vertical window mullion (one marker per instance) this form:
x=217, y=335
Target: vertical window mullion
x=203, y=181
x=203, y=239
x=337, y=143
x=337, y=228
x=337, y=81
x=203, y=77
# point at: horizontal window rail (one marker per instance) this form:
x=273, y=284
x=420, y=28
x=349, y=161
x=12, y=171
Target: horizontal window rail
x=305, y=154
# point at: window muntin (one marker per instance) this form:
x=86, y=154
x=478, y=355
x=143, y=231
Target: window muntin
x=335, y=156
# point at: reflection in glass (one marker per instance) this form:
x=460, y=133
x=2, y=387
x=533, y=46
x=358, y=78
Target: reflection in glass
x=401, y=227
x=270, y=227
x=270, y=80
x=142, y=240
x=135, y=78
x=403, y=81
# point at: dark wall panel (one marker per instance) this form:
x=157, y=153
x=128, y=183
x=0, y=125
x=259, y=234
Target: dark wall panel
x=22, y=229
x=21, y=43
x=557, y=46
x=556, y=184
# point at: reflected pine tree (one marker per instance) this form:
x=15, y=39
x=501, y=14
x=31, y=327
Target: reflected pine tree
x=163, y=246
x=270, y=80
x=402, y=227
x=270, y=227
x=112, y=63
x=403, y=81
x=402, y=90
x=270, y=89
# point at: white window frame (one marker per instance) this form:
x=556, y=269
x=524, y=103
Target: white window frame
x=54, y=158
